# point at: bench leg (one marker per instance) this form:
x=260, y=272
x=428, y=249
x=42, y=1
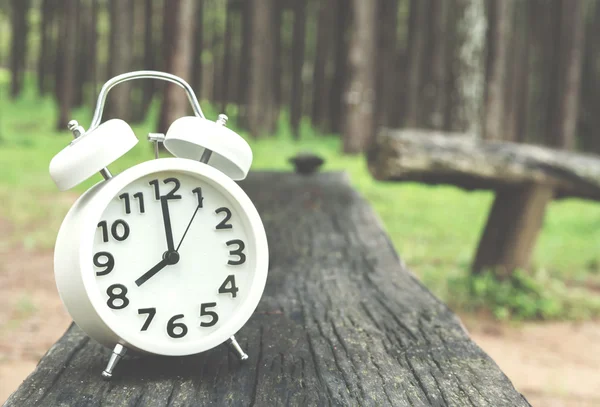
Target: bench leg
x=512, y=228
x=236, y=348
x=117, y=353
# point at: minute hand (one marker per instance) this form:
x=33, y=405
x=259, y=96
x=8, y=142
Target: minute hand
x=164, y=204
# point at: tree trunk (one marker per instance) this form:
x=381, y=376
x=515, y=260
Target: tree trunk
x=175, y=103
x=277, y=6
x=470, y=73
x=227, y=57
x=59, y=60
x=93, y=57
x=299, y=39
x=419, y=18
x=82, y=34
x=47, y=16
x=441, y=60
x=243, y=96
x=20, y=29
x=387, y=55
x=590, y=93
x=359, y=117
x=338, y=84
x=217, y=53
x=325, y=35
x=496, y=84
x=121, y=56
x=196, y=78
x=69, y=64
x=518, y=81
x=261, y=99
x=568, y=79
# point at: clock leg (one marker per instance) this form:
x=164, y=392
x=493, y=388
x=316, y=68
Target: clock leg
x=117, y=353
x=236, y=348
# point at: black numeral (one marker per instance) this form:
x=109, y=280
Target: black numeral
x=223, y=224
x=229, y=290
x=108, y=265
x=205, y=312
x=114, y=230
x=171, y=325
x=198, y=192
x=121, y=295
x=151, y=313
x=237, y=252
x=140, y=198
x=171, y=194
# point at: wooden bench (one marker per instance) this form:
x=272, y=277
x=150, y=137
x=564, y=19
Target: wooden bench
x=525, y=179
x=342, y=322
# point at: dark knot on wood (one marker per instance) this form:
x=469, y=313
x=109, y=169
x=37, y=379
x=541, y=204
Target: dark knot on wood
x=306, y=163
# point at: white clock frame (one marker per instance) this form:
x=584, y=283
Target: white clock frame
x=75, y=275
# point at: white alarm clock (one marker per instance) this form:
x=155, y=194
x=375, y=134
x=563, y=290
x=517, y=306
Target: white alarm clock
x=168, y=257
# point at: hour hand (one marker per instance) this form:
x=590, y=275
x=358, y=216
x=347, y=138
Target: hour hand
x=150, y=273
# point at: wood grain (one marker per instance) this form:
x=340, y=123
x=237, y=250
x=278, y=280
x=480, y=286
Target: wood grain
x=342, y=322
x=444, y=158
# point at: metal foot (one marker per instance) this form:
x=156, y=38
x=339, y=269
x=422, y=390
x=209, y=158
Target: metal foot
x=117, y=353
x=236, y=348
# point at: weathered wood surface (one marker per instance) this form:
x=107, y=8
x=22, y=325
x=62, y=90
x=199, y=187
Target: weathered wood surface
x=442, y=158
x=342, y=322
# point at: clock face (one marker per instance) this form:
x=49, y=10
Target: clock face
x=174, y=260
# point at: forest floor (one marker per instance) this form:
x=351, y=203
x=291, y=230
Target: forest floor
x=553, y=364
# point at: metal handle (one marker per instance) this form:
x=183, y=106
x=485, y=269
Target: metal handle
x=111, y=83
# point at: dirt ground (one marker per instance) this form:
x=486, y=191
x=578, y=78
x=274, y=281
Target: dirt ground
x=552, y=364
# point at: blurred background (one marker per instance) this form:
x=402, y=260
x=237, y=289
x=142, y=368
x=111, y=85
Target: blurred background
x=323, y=76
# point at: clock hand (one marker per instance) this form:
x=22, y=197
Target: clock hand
x=168, y=259
x=164, y=204
x=187, y=228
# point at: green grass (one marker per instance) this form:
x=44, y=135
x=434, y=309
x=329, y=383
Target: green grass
x=435, y=229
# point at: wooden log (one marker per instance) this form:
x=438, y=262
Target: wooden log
x=443, y=158
x=342, y=322
x=512, y=228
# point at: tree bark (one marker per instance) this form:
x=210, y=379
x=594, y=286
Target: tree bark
x=121, y=56
x=261, y=99
x=471, y=70
x=568, y=79
x=82, y=51
x=441, y=60
x=245, y=60
x=359, y=96
x=590, y=93
x=338, y=83
x=457, y=159
x=44, y=59
x=93, y=57
x=20, y=29
x=226, y=84
x=325, y=35
x=342, y=322
x=196, y=79
x=175, y=103
x=518, y=81
x=419, y=18
x=69, y=65
x=496, y=102
x=299, y=38
x=387, y=55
